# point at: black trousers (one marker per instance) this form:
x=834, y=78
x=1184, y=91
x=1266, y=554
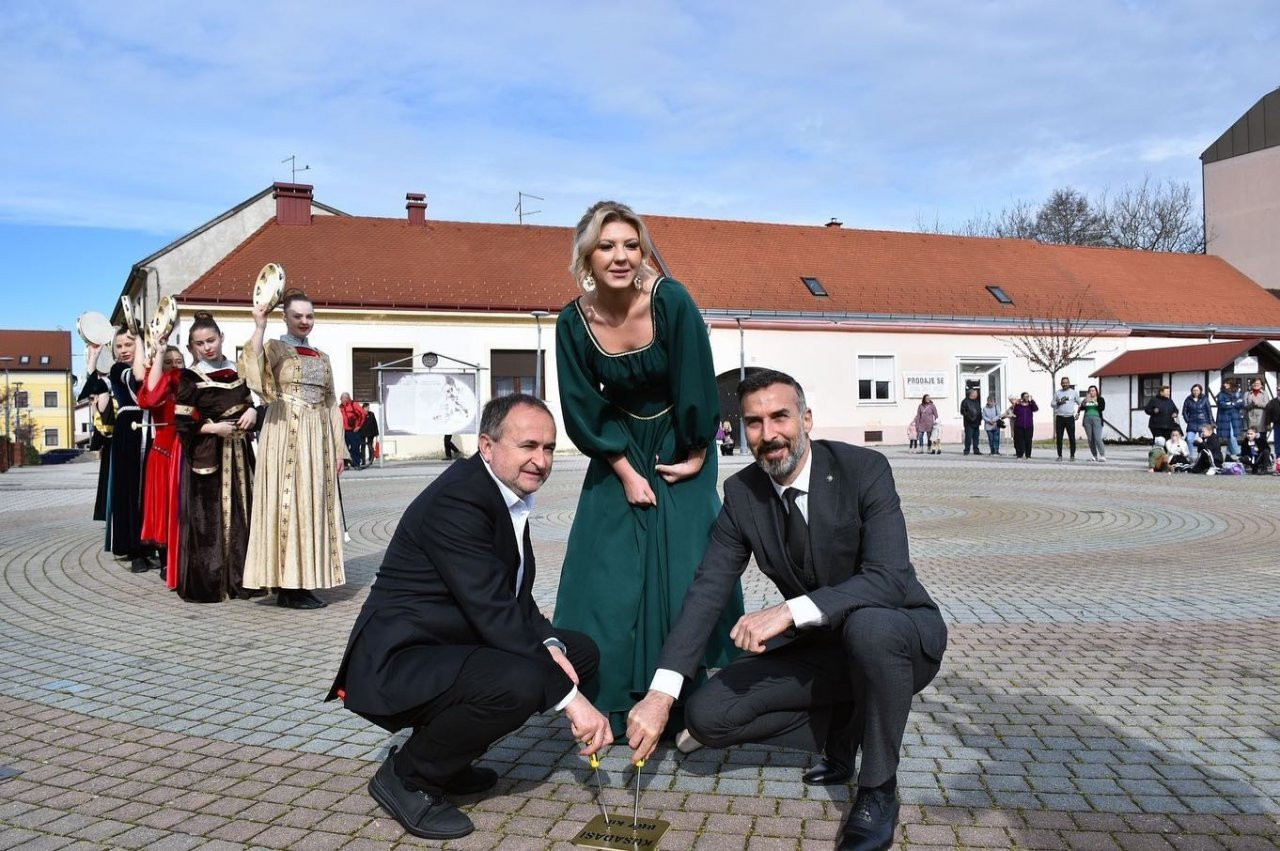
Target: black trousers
x=494, y=694
x=1065, y=425
x=1022, y=441
x=837, y=691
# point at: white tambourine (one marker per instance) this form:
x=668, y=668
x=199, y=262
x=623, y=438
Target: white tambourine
x=105, y=360
x=269, y=287
x=95, y=329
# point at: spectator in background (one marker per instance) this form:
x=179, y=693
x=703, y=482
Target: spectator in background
x=1255, y=454
x=1210, y=459
x=1195, y=413
x=1090, y=413
x=1158, y=457
x=994, y=422
x=352, y=420
x=1255, y=401
x=1230, y=405
x=971, y=413
x=1163, y=414
x=1179, y=451
x=1271, y=420
x=925, y=420
x=1065, y=404
x=368, y=434
x=1023, y=409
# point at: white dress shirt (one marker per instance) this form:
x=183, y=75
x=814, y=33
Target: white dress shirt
x=520, y=508
x=803, y=610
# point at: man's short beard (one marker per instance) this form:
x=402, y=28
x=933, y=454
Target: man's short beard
x=785, y=466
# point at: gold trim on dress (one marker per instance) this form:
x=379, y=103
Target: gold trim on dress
x=653, y=326
x=661, y=413
x=184, y=410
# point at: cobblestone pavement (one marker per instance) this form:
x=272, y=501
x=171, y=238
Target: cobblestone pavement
x=1112, y=682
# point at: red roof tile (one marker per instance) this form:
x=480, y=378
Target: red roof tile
x=33, y=345
x=744, y=267
x=1200, y=358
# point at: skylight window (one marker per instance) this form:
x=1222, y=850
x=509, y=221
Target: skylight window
x=814, y=285
x=999, y=294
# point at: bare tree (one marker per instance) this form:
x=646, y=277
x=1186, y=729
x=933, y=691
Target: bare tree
x=1149, y=217
x=1055, y=341
x=1155, y=217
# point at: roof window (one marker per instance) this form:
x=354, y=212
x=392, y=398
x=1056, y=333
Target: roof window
x=999, y=294
x=44, y=359
x=814, y=285
x=24, y=358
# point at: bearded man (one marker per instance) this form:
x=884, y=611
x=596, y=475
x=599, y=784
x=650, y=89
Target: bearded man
x=834, y=668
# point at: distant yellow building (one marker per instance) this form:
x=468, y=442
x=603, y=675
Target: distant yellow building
x=38, y=394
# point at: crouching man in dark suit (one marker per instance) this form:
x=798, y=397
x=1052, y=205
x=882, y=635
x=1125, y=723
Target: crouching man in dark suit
x=450, y=642
x=833, y=668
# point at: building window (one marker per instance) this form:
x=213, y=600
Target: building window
x=875, y=378
x=999, y=294
x=364, y=379
x=1149, y=387
x=814, y=285
x=50, y=438
x=514, y=371
x=51, y=398
x=24, y=358
x=44, y=360
x=20, y=399
x=84, y=428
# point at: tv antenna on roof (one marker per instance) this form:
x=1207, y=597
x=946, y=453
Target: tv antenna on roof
x=293, y=168
x=521, y=212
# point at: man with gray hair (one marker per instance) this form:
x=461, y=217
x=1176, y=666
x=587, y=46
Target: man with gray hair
x=450, y=643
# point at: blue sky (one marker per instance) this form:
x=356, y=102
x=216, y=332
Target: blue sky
x=129, y=123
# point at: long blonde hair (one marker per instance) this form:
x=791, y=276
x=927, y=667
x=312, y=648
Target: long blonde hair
x=587, y=234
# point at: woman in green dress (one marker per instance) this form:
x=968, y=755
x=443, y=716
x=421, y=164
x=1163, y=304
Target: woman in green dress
x=638, y=396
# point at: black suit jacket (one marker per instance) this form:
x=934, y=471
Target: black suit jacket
x=445, y=589
x=858, y=539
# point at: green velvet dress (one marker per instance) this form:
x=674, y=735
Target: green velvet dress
x=626, y=569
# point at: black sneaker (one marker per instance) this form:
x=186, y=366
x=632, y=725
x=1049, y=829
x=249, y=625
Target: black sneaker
x=420, y=813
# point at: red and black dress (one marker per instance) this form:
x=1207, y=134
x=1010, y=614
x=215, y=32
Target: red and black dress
x=217, y=481
x=160, y=490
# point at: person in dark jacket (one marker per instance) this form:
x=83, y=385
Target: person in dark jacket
x=368, y=434
x=1255, y=454
x=450, y=642
x=1230, y=414
x=1196, y=411
x=971, y=413
x=1163, y=413
x=1271, y=420
x=1210, y=460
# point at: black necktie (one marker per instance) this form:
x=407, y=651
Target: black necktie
x=797, y=534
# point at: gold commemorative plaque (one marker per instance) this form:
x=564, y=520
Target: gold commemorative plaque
x=621, y=833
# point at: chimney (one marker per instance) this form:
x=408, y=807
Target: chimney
x=834, y=223
x=416, y=204
x=293, y=203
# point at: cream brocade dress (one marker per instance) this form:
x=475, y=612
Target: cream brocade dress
x=295, y=531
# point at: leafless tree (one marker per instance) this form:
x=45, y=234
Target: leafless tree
x=1053, y=342
x=1150, y=217
x=1155, y=217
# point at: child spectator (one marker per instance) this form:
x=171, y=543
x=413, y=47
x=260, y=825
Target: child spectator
x=1158, y=457
x=911, y=435
x=1210, y=459
x=1179, y=451
x=1255, y=454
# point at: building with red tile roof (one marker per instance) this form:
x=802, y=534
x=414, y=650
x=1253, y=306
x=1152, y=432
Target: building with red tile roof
x=37, y=399
x=852, y=312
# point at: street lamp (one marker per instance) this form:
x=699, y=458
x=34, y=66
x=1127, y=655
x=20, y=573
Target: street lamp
x=8, y=398
x=742, y=376
x=537, y=366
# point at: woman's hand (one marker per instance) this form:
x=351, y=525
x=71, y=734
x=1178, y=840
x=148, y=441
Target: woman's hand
x=687, y=469
x=260, y=312
x=638, y=491
x=247, y=419
x=220, y=429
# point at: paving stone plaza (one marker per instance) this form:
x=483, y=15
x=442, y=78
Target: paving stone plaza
x=1112, y=681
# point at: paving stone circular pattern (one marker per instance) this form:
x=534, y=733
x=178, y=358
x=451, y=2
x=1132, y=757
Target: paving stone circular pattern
x=1112, y=673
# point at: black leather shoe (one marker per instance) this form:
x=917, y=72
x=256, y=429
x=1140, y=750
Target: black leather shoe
x=422, y=814
x=298, y=598
x=827, y=772
x=471, y=780
x=871, y=822
x=139, y=565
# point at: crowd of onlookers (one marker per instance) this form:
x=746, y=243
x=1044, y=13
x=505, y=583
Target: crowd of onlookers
x=1227, y=433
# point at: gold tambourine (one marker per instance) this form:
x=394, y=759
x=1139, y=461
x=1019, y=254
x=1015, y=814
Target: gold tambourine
x=269, y=288
x=163, y=323
x=132, y=311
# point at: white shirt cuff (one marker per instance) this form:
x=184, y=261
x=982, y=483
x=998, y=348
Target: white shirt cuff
x=566, y=700
x=805, y=613
x=668, y=682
